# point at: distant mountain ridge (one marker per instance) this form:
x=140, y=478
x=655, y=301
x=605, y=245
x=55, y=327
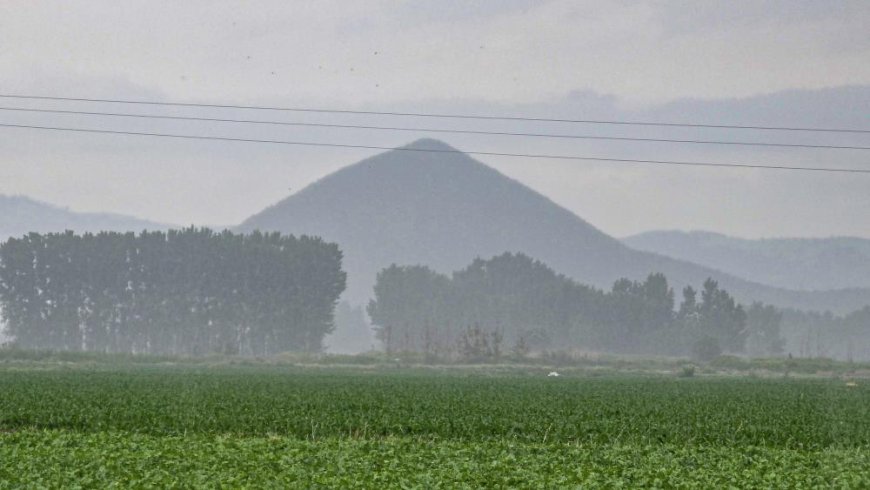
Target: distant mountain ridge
x=442, y=208
x=793, y=263
x=20, y=215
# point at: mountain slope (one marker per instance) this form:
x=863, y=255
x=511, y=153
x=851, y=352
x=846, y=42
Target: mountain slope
x=20, y=215
x=444, y=209
x=795, y=263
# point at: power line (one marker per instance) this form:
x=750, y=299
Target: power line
x=432, y=115
x=433, y=130
x=435, y=150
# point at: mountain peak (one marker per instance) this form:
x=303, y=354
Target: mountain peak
x=435, y=205
x=428, y=144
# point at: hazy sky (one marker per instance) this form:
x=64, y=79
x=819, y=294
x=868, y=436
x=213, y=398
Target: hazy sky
x=754, y=62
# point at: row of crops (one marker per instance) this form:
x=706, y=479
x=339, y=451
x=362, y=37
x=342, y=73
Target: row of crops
x=262, y=425
x=55, y=459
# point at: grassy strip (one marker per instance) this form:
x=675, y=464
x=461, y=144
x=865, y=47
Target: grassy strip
x=555, y=359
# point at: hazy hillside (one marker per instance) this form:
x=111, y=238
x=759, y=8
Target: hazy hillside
x=20, y=215
x=795, y=263
x=444, y=209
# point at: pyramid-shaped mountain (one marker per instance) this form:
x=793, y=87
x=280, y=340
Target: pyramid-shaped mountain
x=427, y=203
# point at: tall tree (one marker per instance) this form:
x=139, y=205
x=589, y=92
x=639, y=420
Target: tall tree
x=763, y=323
x=722, y=318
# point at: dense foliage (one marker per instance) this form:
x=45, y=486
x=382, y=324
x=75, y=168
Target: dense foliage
x=60, y=459
x=189, y=291
x=514, y=299
x=261, y=426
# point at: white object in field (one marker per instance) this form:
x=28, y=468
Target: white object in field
x=553, y=374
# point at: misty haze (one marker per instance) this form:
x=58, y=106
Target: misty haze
x=435, y=244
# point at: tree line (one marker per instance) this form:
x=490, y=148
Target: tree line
x=188, y=292
x=817, y=334
x=514, y=303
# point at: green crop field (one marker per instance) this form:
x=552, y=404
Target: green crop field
x=279, y=426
